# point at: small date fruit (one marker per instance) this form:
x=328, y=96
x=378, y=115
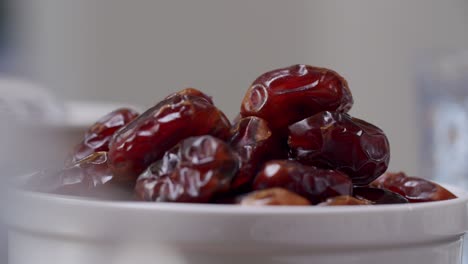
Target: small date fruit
x=285, y=96
x=253, y=140
x=273, y=196
x=344, y=200
x=338, y=141
x=378, y=196
x=194, y=171
x=412, y=188
x=98, y=136
x=89, y=177
x=310, y=182
x=148, y=137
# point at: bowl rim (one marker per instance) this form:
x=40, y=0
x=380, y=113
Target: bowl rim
x=230, y=209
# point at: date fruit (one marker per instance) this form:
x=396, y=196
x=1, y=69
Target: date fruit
x=148, y=137
x=344, y=200
x=89, y=177
x=313, y=183
x=285, y=96
x=192, y=92
x=412, y=188
x=378, y=196
x=341, y=142
x=273, y=196
x=194, y=171
x=253, y=140
x=98, y=136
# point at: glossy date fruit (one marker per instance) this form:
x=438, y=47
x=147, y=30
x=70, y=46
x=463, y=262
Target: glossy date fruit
x=412, y=188
x=194, y=171
x=90, y=177
x=344, y=200
x=338, y=141
x=147, y=138
x=378, y=196
x=98, y=136
x=273, y=196
x=253, y=140
x=310, y=182
x=285, y=96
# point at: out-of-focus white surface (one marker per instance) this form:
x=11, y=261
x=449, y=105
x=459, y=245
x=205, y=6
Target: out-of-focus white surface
x=76, y=231
x=139, y=51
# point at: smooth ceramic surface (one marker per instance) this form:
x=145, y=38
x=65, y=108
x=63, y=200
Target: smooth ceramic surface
x=71, y=231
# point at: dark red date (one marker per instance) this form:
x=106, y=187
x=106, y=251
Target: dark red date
x=285, y=96
x=273, y=196
x=414, y=189
x=338, y=141
x=98, y=136
x=344, y=200
x=310, y=182
x=378, y=196
x=147, y=138
x=253, y=141
x=90, y=177
x=194, y=171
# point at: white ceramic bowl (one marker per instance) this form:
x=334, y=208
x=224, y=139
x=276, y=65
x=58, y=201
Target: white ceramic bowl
x=48, y=229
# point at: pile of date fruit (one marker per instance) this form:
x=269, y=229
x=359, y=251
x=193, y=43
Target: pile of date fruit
x=293, y=143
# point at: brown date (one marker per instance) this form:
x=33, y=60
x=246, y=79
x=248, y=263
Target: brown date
x=274, y=196
x=253, y=140
x=378, y=196
x=285, y=96
x=147, y=138
x=98, y=136
x=89, y=177
x=338, y=141
x=194, y=171
x=310, y=182
x=412, y=188
x=344, y=200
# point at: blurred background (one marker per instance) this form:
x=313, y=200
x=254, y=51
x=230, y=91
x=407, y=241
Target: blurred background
x=404, y=61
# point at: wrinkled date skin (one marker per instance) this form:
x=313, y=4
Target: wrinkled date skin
x=285, y=96
x=253, y=140
x=147, y=138
x=194, y=171
x=414, y=189
x=274, y=196
x=310, y=182
x=339, y=141
x=344, y=200
x=378, y=196
x=98, y=136
x=90, y=177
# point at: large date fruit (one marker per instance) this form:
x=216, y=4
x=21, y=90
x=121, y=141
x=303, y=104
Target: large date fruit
x=338, y=141
x=194, y=171
x=378, y=196
x=344, y=200
x=310, y=182
x=412, y=188
x=98, y=136
x=253, y=140
x=144, y=140
x=273, y=196
x=285, y=96
x=89, y=177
